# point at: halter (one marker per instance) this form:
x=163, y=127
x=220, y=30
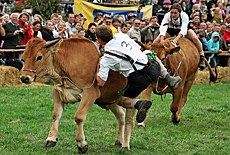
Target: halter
x=173, y=74
x=63, y=77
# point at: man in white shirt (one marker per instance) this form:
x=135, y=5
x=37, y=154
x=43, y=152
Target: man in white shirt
x=69, y=23
x=175, y=23
x=124, y=55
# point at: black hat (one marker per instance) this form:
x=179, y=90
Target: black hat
x=78, y=15
x=116, y=20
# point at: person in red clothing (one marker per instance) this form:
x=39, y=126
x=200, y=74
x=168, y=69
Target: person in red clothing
x=226, y=35
x=23, y=18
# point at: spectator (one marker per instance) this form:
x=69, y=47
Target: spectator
x=201, y=37
x=108, y=22
x=78, y=17
x=214, y=22
x=36, y=29
x=209, y=30
x=1, y=18
x=38, y=17
x=156, y=8
x=222, y=28
x=222, y=9
x=195, y=28
x=90, y=33
x=82, y=20
x=6, y=18
x=62, y=31
x=226, y=35
x=143, y=24
x=217, y=16
x=60, y=18
x=2, y=34
x=135, y=30
x=54, y=19
x=30, y=13
x=77, y=26
x=99, y=18
x=204, y=17
x=190, y=25
x=13, y=35
x=47, y=32
x=120, y=18
x=203, y=26
x=227, y=19
x=81, y=33
x=195, y=11
x=152, y=30
x=116, y=23
x=131, y=17
x=69, y=23
x=213, y=45
x=146, y=19
x=184, y=7
x=129, y=25
x=196, y=19
x=23, y=18
x=124, y=29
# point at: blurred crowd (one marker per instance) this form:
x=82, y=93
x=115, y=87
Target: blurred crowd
x=210, y=20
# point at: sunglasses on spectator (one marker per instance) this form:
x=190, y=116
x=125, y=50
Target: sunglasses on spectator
x=137, y=23
x=108, y=22
x=195, y=28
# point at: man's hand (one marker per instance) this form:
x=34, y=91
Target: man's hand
x=162, y=38
x=139, y=7
x=16, y=32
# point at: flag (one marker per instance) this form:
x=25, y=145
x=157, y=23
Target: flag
x=90, y=10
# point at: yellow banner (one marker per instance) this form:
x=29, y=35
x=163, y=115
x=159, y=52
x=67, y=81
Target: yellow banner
x=89, y=10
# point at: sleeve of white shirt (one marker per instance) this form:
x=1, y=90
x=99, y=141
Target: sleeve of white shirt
x=104, y=69
x=184, y=25
x=55, y=34
x=165, y=20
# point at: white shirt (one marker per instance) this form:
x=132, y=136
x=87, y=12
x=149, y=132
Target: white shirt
x=68, y=25
x=121, y=44
x=167, y=19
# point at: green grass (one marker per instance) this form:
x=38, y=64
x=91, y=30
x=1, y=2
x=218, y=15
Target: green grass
x=204, y=127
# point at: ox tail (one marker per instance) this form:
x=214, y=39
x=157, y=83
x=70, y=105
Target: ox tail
x=212, y=77
x=145, y=47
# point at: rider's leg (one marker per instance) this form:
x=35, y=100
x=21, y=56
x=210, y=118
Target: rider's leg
x=192, y=36
x=158, y=39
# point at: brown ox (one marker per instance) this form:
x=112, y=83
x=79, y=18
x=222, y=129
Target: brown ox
x=71, y=64
x=171, y=57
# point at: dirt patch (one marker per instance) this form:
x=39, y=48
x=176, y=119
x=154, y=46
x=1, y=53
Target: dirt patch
x=203, y=76
x=10, y=76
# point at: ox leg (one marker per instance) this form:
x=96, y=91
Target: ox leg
x=175, y=104
x=57, y=113
x=146, y=96
x=88, y=99
x=129, y=126
x=119, y=113
x=187, y=87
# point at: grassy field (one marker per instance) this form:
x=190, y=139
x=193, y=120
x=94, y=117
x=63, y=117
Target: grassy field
x=204, y=127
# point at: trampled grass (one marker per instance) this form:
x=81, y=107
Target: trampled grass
x=204, y=127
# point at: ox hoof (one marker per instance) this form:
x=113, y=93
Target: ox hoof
x=83, y=150
x=176, y=122
x=126, y=148
x=117, y=143
x=50, y=144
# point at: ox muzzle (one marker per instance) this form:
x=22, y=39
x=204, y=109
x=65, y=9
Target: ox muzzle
x=26, y=79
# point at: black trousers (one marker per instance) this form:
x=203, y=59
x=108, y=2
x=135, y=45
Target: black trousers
x=141, y=79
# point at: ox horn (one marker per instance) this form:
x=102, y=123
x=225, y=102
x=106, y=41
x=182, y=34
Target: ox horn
x=53, y=42
x=21, y=46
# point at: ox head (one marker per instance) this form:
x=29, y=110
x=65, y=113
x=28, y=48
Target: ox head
x=38, y=59
x=164, y=49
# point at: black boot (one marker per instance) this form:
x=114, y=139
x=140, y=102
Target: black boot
x=202, y=62
x=142, y=107
x=172, y=82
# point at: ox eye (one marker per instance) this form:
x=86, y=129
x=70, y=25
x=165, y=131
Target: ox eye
x=162, y=59
x=39, y=58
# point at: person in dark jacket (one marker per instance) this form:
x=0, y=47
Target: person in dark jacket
x=47, y=33
x=13, y=35
x=90, y=33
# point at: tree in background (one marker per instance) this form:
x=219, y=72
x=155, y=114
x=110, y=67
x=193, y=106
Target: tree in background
x=43, y=7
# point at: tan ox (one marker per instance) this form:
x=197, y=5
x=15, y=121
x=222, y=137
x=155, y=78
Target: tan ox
x=183, y=61
x=71, y=64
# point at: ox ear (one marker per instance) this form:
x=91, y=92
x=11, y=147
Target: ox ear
x=54, y=48
x=170, y=48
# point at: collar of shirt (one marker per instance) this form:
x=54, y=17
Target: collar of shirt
x=14, y=24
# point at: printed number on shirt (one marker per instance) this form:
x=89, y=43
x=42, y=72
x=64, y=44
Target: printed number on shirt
x=124, y=44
